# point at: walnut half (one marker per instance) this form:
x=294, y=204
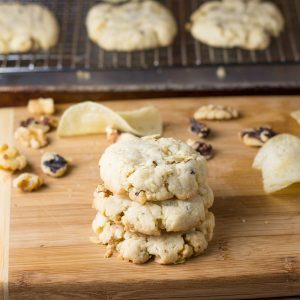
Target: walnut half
x=206, y=150
x=216, y=112
x=27, y=182
x=11, y=159
x=32, y=136
x=256, y=137
x=41, y=106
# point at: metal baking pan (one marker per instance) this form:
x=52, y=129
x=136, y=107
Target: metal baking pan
x=187, y=65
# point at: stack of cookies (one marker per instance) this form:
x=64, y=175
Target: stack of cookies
x=154, y=201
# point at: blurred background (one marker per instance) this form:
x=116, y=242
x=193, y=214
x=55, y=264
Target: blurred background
x=77, y=68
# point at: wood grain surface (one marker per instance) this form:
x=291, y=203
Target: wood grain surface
x=255, y=252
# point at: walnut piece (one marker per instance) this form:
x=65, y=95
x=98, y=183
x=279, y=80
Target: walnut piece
x=216, y=112
x=53, y=164
x=27, y=182
x=32, y=136
x=32, y=123
x=199, y=128
x=44, y=123
x=41, y=106
x=49, y=121
x=112, y=134
x=11, y=159
x=206, y=150
x=256, y=137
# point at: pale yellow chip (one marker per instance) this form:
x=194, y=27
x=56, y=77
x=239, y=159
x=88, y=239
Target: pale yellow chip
x=296, y=115
x=279, y=161
x=91, y=118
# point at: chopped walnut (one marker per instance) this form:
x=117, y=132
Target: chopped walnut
x=203, y=149
x=49, y=121
x=216, y=112
x=32, y=123
x=41, y=106
x=112, y=134
x=44, y=123
x=256, y=137
x=11, y=159
x=53, y=164
x=32, y=137
x=199, y=128
x=27, y=182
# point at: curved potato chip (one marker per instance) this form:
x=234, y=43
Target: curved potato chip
x=279, y=160
x=296, y=115
x=91, y=118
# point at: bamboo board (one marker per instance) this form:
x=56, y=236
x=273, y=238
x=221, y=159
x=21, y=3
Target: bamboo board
x=45, y=249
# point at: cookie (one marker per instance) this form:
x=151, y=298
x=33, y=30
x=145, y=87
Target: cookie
x=26, y=27
x=236, y=23
x=150, y=169
x=135, y=25
x=153, y=218
x=168, y=248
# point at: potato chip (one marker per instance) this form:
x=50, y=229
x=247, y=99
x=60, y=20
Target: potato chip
x=279, y=160
x=296, y=115
x=91, y=118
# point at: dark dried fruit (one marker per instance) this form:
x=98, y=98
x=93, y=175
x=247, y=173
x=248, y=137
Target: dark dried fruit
x=199, y=128
x=203, y=149
x=257, y=136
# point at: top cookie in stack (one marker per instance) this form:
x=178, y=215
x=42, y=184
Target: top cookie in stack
x=154, y=201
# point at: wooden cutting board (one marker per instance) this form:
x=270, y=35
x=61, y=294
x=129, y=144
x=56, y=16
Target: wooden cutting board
x=45, y=249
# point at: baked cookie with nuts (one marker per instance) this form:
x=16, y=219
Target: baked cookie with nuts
x=134, y=25
x=27, y=182
x=53, y=164
x=204, y=149
x=152, y=169
x=153, y=218
x=168, y=248
x=216, y=112
x=11, y=159
x=256, y=137
x=32, y=137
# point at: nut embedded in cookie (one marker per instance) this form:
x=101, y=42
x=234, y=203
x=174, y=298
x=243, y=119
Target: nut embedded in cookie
x=152, y=169
x=168, y=248
x=153, y=218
